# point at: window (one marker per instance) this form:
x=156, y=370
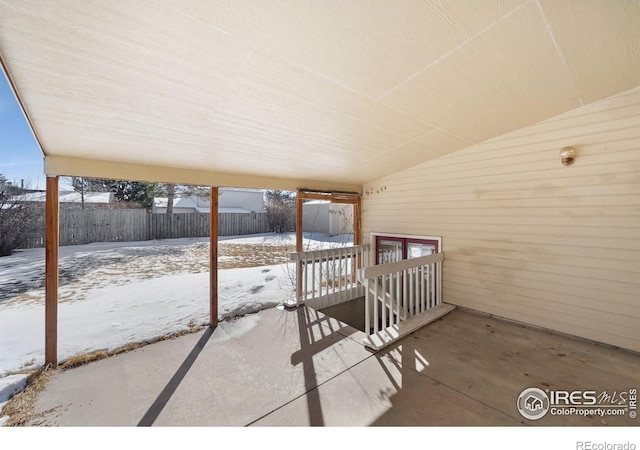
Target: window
x=391, y=248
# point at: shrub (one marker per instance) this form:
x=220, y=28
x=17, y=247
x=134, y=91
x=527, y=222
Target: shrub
x=20, y=222
x=281, y=211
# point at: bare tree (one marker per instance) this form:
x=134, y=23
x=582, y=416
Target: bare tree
x=281, y=211
x=184, y=190
x=171, y=195
x=20, y=221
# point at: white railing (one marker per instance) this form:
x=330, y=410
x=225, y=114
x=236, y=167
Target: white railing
x=328, y=277
x=400, y=290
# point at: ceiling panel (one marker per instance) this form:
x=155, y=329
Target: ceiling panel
x=368, y=46
x=429, y=146
x=481, y=86
x=600, y=41
x=271, y=94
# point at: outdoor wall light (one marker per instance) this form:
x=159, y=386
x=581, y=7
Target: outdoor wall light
x=568, y=155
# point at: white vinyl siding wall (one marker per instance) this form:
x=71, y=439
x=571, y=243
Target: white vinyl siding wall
x=527, y=238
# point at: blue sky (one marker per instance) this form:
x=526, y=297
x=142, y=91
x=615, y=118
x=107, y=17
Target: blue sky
x=20, y=156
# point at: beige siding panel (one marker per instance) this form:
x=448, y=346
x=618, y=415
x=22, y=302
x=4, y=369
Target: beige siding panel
x=527, y=238
x=589, y=292
x=555, y=322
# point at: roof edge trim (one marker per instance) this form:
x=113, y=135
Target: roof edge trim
x=14, y=89
x=60, y=165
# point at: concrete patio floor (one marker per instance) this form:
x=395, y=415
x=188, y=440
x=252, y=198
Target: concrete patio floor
x=300, y=368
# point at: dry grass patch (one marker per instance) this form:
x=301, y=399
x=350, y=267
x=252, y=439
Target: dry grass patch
x=20, y=407
x=234, y=256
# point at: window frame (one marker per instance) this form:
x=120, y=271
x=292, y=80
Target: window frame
x=377, y=236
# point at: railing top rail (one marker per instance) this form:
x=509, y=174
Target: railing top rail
x=323, y=253
x=373, y=272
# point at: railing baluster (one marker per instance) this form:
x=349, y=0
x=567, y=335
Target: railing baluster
x=324, y=278
x=392, y=298
x=329, y=273
x=321, y=277
x=375, y=306
x=305, y=275
x=427, y=285
x=425, y=281
x=384, y=301
x=432, y=285
x=416, y=281
x=439, y=282
x=405, y=298
x=367, y=309
x=342, y=276
x=313, y=277
x=348, y=266
x=327, y=277
x=410, y=290
x=331, y=286
x=297, y=263
x=333, y=273
x=398, y=297
x=425, y=278
x=418, y=300
x=421, y=278
x=341, y=288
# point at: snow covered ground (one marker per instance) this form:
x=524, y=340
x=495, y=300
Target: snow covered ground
x=114, y=294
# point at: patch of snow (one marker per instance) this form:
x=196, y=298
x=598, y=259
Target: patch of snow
x=112, y=317
x=10, y=386
x=69, y=197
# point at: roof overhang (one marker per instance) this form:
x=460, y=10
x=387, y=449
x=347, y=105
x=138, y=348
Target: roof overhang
x=280, y=94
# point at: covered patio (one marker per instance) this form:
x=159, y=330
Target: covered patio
x=300, y=368
x=437, y=121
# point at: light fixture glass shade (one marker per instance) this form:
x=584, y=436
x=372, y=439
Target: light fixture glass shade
x=567, y=155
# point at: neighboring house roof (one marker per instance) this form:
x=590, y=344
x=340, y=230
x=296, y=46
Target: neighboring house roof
x=197, y=204
x=181, y=202
x=70, y=197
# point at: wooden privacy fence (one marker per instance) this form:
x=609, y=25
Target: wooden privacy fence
x=168, y=226
x=83, y=226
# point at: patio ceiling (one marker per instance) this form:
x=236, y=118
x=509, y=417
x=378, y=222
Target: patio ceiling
x=285, y=94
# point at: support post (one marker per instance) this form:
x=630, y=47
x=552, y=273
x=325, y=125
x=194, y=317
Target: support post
x=299, y=242
x=52, y=241
x=357, y=235
x=357, y=221
x=213, y=258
